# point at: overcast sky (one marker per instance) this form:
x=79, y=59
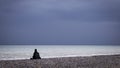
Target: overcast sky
x=60, y=22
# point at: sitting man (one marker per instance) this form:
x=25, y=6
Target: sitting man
x=36, y=55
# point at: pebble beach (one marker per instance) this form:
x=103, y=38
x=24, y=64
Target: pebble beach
x=100, y=61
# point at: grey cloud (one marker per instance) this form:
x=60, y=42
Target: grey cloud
x=59, y=22
x=93, y=10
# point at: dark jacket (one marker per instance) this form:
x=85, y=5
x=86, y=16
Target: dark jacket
x=36, y=55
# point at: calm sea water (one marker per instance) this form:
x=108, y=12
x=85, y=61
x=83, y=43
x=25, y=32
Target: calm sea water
x=11, y=52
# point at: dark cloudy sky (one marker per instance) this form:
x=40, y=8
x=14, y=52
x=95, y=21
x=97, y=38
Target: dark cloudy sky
x=60, y=22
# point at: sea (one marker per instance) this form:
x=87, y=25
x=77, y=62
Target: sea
x=16, y=52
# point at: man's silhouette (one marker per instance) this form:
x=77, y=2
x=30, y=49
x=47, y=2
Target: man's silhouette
x=36, y=55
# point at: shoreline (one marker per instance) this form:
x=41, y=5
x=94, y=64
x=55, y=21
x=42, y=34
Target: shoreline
x=71, y=56
x=97, y=61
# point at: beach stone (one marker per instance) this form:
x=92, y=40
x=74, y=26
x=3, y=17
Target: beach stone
x=36, y=55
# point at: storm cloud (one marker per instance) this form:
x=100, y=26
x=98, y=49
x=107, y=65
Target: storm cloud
x=60, y=22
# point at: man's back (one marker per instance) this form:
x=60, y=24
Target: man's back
x=36, y=55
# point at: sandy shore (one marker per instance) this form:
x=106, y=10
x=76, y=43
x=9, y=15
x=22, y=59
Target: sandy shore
x=103, y=61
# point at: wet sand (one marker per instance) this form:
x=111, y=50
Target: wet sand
x=101, y=61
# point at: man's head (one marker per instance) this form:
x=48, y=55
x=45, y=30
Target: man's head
x=35, y=50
